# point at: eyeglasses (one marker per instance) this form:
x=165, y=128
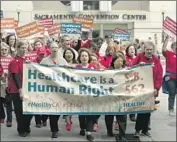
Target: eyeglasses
x=3, y=49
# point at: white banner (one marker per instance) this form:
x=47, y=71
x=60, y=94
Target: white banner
x=59, y=90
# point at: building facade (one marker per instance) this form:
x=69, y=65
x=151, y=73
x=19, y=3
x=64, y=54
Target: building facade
x=142, y=19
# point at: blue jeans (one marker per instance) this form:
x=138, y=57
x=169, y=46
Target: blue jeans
x=171, y=87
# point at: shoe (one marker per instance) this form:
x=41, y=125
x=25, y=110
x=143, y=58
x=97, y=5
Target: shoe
x=54, y=135
x=44, y=123
x=38, y=125
x=133, y=119
x=9, y=124
x=110, y=134
x=82, y=132
x=146, y=134
x=68, y=126
x=172, y=113
x=90, y=138
x=22, y=134
x=123, y=139
x=137, y=134
x=118, y=138
x=2, y=121
x=149, y=128
x=27, y=134
x=157, y=102
x=28, y=131
x=95, y=127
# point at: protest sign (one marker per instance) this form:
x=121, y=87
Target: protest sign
x=47, y=23
x=31, y=55
x=7, y=23
x=169, y=27
x=73, y=30
x=120, y=34
x=28, y=30
x=117, y=36
x=54, y=29
x=87, y=23
x=41, y=29
x=15, y=23
x=58, y=90
x=117, y=30
x=5, y=62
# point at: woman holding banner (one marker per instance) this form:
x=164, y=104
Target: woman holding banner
x=110, y=50
x=131, y=53
x=118, y=62
x=40, y=119
x=54, y=59
x=15, y=80
x=94, y=61
x=69, y=56
x=170, y=75
x=148, y=57
x=85, y=121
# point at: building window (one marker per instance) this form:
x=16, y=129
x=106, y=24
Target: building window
x=90, y=5
x=114, y=2
x=66, y=3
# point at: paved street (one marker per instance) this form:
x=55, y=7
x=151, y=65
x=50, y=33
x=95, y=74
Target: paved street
x=163, y=129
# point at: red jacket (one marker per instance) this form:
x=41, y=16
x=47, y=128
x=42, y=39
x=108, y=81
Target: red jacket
x=157, y=68
x=129, y=60
x=47, y=50
x=36, y=60
x=105, y=61
x=85, y=44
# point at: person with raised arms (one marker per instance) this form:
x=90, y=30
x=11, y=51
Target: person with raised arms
x=170, y=74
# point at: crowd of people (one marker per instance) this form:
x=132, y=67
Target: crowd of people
x=100, y=54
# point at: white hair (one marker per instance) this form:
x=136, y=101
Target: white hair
x=4, y=45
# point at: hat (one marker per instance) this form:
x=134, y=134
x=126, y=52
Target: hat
x=41, y=51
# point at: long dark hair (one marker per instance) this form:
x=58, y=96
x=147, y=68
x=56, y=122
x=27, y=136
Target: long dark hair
x=74, y=56
x=8, y=37
x=84, y=50
x=126, y=50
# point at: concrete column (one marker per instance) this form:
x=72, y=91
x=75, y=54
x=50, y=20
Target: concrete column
x=105, y=6
x=76, y=6
x=101, y=30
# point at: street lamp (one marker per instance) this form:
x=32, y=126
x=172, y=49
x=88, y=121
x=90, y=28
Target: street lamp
x=18, y=9
x=163, y=19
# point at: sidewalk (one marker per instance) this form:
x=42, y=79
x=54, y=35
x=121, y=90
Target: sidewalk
x=163, y=129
